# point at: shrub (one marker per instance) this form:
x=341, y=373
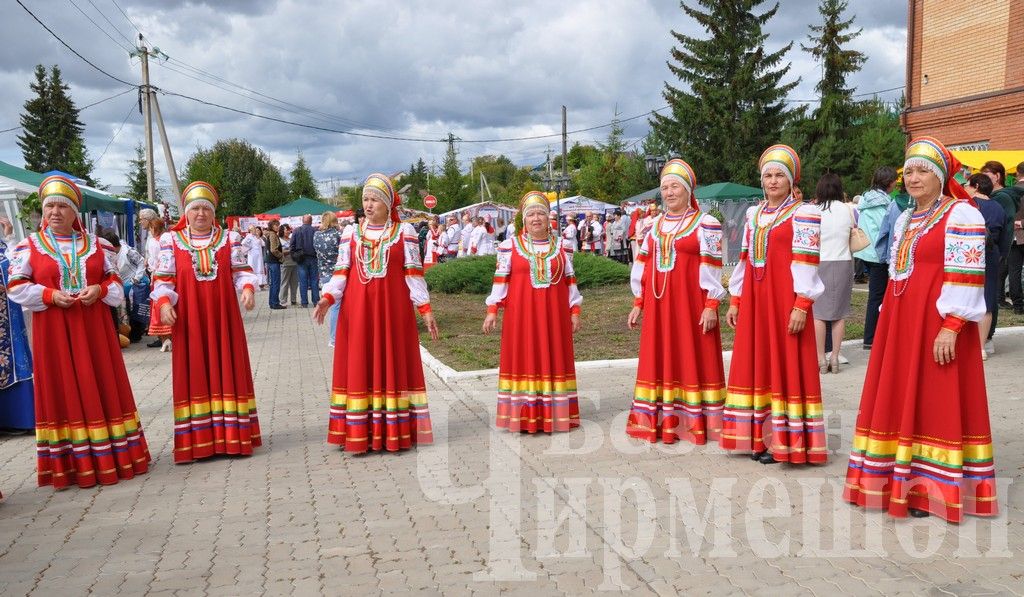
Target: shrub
x=473, y=275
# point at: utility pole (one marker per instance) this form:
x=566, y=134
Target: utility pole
x=565, y=169
x=147, y=118
x=151, y=107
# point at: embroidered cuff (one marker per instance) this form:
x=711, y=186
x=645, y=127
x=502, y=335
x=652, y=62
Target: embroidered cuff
x=104, y=289
x=638, y=302
x=424, y=309
x=712, y=304
x=574, y=310
x=802, y=303
x=48, y=296
x=249, y=287
x=734, y=302
x=492, y=309
x=953, y=323
x=328, y=297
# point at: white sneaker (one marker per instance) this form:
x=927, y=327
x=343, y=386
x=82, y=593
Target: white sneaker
x=990, y=347
x=166, y=346
x=330, y=344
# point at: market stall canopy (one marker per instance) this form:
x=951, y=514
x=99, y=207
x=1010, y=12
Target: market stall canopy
x=719, y=191
x=301, y=207
x=92, y=199
x=728, y=191
x=976, y=159
x=579, y=203
x=497, y=211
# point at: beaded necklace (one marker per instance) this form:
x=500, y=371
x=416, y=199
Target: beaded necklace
x=373, y=255
x=545, y=270
x=759, y=259
x=906, y=250
x=71, y=278
x=204, y=259
x=665, y=246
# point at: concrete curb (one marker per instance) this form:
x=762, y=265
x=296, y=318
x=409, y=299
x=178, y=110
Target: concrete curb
x=447, y=374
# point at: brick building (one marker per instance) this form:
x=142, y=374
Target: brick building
x=965, y=72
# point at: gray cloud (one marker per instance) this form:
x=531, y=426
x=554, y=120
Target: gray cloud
x=413, y=69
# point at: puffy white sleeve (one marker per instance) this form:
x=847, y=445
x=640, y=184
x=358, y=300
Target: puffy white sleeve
x=152, y=253
x=710, y=241
x=962, y=297
x=21, y=288
x=165, y=275
x=807, y=285
x=414, y=269
x=112, y=288
x=241, y=272
x=499, y=286
x=475, y=239
x=636, y=272
x=334, y=289
x=738, y=272
x=575, y=298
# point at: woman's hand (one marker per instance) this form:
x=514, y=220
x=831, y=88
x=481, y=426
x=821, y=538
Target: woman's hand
x=634, y=317
x=797, y=321
x=490, y=322
x=167, y=314
x=90, y=295
x=62, y=299
x=708, y=320
x=248, y=299
x=320, y=311
x=944, y=348
x=431, y=323
x=576, y=325
x=732, y=316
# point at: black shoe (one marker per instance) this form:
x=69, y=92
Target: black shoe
x=756, y=455
x=155, y=343
x=767, y=458
x=915, y=513
x=867, y=347
x=278, y=307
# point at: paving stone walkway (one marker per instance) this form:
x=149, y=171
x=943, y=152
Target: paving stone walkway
x=482, y=511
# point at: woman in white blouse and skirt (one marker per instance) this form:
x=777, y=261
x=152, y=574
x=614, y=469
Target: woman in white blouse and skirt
x=835, y=268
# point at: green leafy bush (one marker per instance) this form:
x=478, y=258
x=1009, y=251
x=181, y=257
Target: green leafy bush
x=473, y=275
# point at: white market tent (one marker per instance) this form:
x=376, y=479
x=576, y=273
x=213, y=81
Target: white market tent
x=580, y=204
x=500, y=214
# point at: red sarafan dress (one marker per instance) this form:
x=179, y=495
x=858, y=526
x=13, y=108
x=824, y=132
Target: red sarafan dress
x=535, y=284
x=680, y=380
x=214, y=400
x=378, y=398
x=772, y=371
x=87, y=424
x=923, y=439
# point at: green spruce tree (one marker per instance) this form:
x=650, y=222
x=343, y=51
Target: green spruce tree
x=272, y=191
x=829, y=134
x=52, y=135
x=451, y=190
x=136, y=177
x=302, y=183
x=731, y=105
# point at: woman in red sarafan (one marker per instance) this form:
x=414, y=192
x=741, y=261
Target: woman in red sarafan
x=536, y=286
x=922, y=444
x=202, y=270
x=774, y=368
x=87, y=425
x=378, y=398
x=677, y=282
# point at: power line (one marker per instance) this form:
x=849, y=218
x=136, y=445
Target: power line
x=96, y=103
x=97, y=25
x=125, y=15
x=131, y=110
x=111, y=23
x=72, y=50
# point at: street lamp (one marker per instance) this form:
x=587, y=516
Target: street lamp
x=654, y=164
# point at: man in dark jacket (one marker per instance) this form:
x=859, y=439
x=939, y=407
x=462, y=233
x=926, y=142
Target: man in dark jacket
x=1015, y=260
x=274, y=256
x=304, y=255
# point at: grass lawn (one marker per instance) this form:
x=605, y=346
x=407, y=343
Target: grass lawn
x=464, y=347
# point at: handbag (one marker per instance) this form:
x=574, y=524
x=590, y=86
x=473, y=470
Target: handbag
x=858, y=238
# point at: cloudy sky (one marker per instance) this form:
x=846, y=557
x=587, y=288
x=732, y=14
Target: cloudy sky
x=416, y=69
